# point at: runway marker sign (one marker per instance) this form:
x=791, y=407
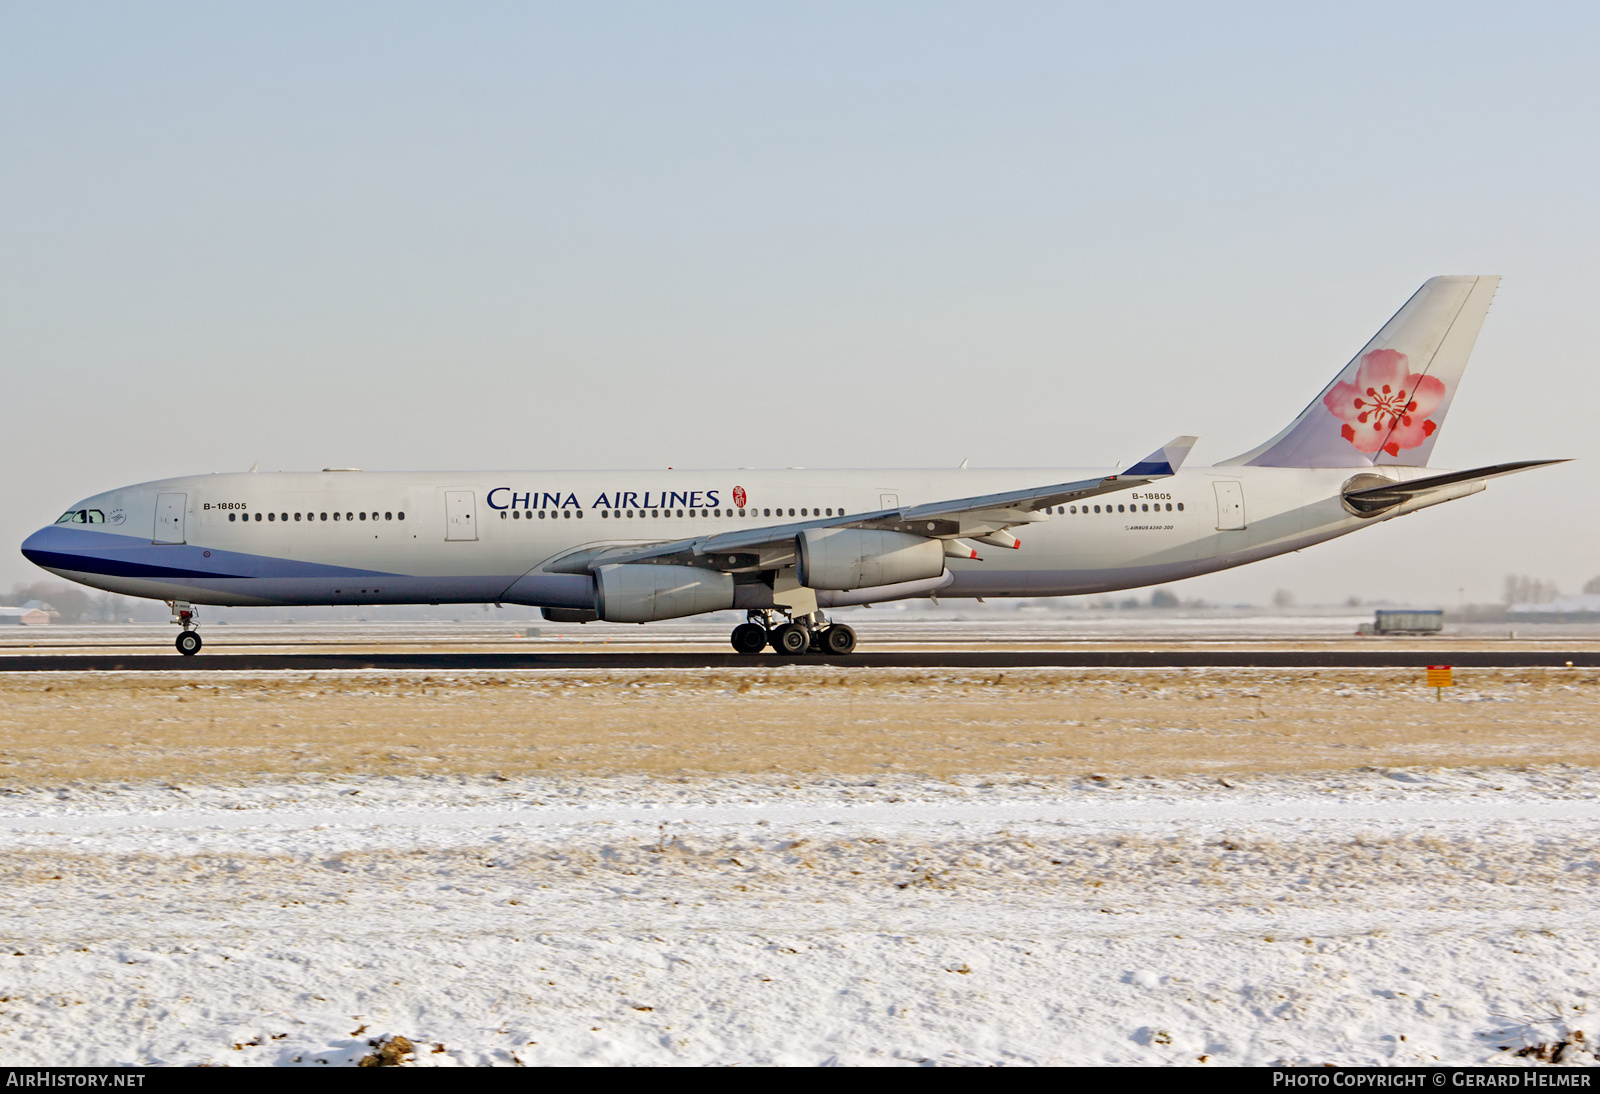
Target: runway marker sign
x=1439, y=679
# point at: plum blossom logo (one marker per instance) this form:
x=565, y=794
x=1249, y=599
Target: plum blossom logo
x=1388, y=406
x=738, y=497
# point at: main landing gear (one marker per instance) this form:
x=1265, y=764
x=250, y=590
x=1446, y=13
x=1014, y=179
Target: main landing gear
x=188, y=641
x=805, y=634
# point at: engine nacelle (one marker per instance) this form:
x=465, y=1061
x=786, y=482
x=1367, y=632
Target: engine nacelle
x=853, y=558
x=643, y=594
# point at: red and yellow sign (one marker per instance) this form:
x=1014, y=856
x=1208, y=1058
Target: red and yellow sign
x=1439, y=676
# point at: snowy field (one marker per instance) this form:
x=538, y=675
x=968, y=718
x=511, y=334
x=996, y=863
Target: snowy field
x=1374, y=916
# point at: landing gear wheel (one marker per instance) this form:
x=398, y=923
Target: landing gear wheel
x=791, y=639
x=838, y=640
x=188, y=643
x=749, y=638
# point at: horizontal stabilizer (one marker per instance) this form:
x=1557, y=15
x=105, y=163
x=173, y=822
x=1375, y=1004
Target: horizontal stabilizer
x=1374, y=499
x=1165, y=460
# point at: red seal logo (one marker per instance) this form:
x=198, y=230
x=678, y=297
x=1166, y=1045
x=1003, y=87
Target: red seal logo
x=738, y=497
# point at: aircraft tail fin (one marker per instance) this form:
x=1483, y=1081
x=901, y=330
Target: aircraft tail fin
x=1386, y=406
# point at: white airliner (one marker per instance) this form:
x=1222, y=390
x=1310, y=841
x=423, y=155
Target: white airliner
x=637, y=546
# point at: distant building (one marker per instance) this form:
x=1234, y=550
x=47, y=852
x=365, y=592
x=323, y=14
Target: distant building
x=26, y=617
x=1583, y=608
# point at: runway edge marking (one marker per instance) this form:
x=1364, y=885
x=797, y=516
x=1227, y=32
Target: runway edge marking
x=977, y=659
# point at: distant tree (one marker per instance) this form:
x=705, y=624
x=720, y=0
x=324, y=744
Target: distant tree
x=1161, y=598
x=1521, y=589
x=111, y=608
x=1353, y=602
x=1592, y=586
x=1283, y=598
x=1130, y=604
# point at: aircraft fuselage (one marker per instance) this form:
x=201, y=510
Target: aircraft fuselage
x=473, y=537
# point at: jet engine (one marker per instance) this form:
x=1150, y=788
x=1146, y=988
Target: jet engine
x=851, y=558
x=643, y=594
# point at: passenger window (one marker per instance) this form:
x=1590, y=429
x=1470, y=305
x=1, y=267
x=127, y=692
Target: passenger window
x=399, y=516
x=766, y=512
x=272, y=516
x=388, y=516
x=1180, y=507
x=349, y=516
x=336, y=516
x=680, y=512
x=363, y=516
x=830, y=512
x=297, y=516
x=231, y=517
x=791, y=513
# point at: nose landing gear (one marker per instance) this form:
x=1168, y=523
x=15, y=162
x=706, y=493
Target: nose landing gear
x=188, y=641
x=805, y=634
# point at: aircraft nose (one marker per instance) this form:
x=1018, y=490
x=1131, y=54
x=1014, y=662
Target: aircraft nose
x=53, y=547
x=33, y=548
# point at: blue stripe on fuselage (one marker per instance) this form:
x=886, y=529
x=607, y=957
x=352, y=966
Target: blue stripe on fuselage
x=65, y=547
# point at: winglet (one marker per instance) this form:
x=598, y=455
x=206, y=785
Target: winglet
x=1165, y=460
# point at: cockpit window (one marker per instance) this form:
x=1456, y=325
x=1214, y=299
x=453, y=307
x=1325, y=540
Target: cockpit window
x=82, y=516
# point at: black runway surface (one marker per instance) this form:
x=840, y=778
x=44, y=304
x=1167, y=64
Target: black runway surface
x=932, y=659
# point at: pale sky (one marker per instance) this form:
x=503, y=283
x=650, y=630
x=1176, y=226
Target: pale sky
x=528, y=235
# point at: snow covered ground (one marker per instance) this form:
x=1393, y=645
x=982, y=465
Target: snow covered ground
x=1376, y=916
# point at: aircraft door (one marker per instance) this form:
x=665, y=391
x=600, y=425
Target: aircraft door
x=461, y=515
x=1230, y=506
x=169, y=517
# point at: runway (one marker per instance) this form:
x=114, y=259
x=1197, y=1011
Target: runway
x=915, y=659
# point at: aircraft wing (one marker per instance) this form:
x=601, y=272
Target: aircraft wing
x=979, y=516
x=1376, y=498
